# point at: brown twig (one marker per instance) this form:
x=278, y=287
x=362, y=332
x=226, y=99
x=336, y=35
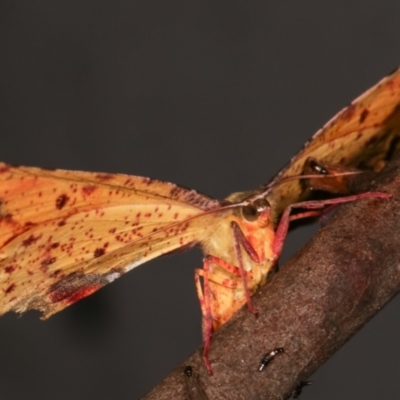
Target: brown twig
x=318, y=300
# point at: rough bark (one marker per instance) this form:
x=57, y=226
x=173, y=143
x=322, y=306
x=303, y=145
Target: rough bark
x=317, y=301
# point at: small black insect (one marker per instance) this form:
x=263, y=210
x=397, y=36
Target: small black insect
x=188, y=371
x=297, y=391
x=269, y=356
x=194, y=387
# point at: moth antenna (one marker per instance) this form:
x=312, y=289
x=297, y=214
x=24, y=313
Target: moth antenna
x=299, y=177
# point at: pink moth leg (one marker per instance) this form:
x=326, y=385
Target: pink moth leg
x=283, y=225
x=205, y=293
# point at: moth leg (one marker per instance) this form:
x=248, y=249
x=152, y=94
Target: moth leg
x=199, y=289
x=207, y=277
x=216, y=278
x=240, y=239
x=238, y=271
x=306, y=214
x=321, y=215
x=233, y=269
x=204, y=294
x=206, y=322
x=283, y=226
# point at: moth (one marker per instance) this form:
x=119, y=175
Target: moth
x=66, y=234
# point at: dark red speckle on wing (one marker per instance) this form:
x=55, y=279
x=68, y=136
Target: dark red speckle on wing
x=363, y=115
x=99, y=252
x=30, y=240
x=61, y=201
x=88, y=189
x=10, y=268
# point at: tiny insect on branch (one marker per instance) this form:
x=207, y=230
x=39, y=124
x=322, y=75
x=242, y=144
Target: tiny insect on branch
x=268, y=357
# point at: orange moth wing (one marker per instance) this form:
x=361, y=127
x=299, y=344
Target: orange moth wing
x=363, y=135
x=65, y=234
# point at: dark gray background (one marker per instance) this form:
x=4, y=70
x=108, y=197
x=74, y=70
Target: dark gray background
x=216, y=96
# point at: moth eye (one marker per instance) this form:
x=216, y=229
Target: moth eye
x=252, y=211
x=318, y=168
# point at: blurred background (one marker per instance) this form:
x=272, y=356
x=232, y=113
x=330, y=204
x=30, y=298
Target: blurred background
x=216, y=96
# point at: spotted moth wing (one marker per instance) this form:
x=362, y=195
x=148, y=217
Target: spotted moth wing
x=362, y=135
x=65, y=234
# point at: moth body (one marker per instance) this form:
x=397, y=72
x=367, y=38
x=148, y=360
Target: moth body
x=227, y=289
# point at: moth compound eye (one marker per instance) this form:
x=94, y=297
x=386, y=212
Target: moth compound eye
x=252, y=211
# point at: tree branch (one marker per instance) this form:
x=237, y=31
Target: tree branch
x=318, y=300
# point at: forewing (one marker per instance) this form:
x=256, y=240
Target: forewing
x=361, y=135
x=65, y=234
